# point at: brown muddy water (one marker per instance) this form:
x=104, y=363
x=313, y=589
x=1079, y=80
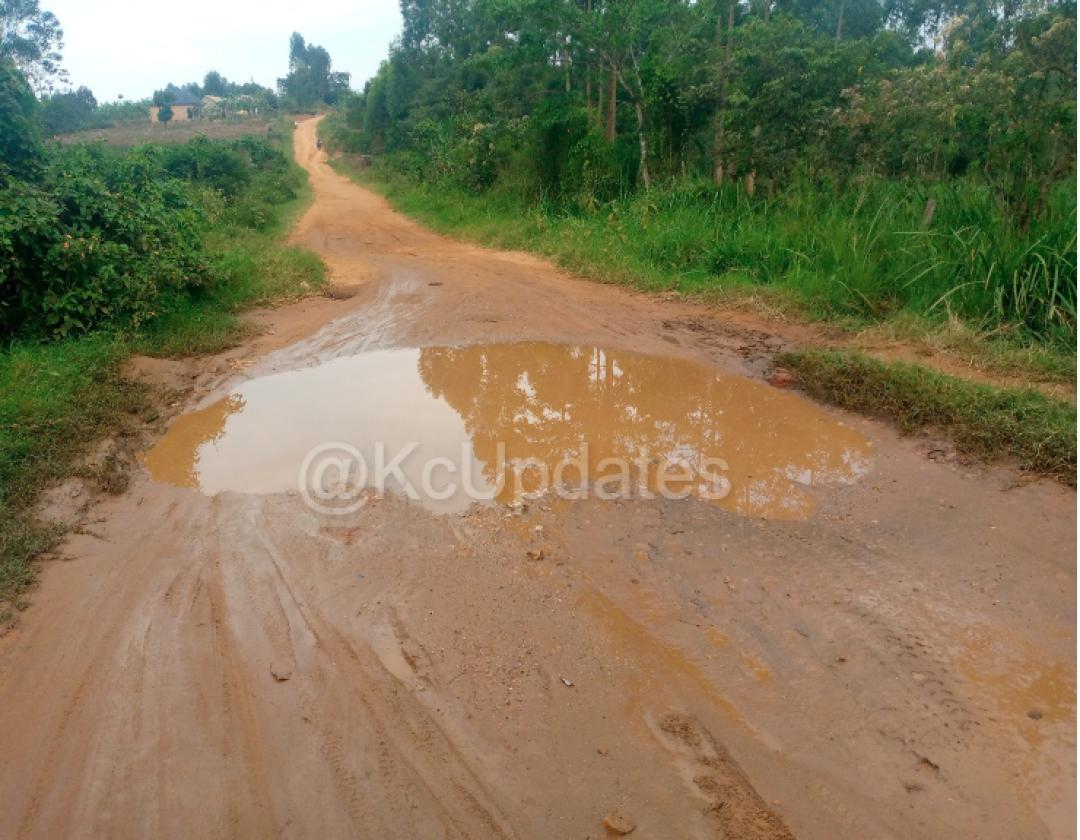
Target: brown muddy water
x=513, y=420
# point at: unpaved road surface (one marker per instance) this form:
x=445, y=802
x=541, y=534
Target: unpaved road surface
x=896, y=661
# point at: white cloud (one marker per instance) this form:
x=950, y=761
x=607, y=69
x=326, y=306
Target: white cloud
x=130, y=47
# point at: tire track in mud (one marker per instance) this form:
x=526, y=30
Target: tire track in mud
x=414, y=758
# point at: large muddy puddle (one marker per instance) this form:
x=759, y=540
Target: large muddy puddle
x=513, y=421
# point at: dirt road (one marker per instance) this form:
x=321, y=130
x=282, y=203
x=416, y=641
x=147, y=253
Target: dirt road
x=893, y=659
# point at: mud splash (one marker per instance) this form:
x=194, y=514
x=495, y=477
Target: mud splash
x=541, y=404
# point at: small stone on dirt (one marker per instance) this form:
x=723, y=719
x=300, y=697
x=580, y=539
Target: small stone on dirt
x=781, y=378
x=537, y=554
x=1034, y=714
x=566, y=682
x=618, y=822
x=280, y=672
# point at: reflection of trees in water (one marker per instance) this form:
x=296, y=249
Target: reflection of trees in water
x=545, y=401
x=174, y=459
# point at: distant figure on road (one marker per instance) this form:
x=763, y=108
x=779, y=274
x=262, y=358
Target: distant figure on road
x=318, y=144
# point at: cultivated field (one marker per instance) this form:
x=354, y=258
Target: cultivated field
x=131, y=134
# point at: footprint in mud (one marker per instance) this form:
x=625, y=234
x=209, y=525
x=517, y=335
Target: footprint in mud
x=732, y=803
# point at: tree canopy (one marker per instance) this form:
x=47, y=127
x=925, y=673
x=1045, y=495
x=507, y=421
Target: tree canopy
x=20, y=139
x=620, y=91
x=311, y=79
x=32, y=39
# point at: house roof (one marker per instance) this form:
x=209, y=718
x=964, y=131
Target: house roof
x=183, y=97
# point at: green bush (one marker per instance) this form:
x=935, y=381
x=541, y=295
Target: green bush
x=101, y=237
x=94, y=241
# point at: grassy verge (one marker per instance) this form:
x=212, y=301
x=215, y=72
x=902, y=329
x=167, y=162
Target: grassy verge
x=252, y=267
x=984, y=421
x=57, y=399
x=862, y=264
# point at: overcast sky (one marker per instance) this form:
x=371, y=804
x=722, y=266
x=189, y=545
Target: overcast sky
x=133, y=47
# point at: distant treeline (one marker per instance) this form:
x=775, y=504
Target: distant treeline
x=62, y=113
x=310, y=82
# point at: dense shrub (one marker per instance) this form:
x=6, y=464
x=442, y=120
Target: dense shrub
x=93, y=237
x=95, y=240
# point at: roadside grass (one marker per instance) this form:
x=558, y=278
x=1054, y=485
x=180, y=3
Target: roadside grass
x=984, y=421
x=58, y=399
x=251, y=269
x=55, y=401
x=860, y=261
x=977, y=348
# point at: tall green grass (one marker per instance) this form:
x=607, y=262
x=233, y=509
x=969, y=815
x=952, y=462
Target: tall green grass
x=860, y=254
x=55, y=400
x=1037, y=431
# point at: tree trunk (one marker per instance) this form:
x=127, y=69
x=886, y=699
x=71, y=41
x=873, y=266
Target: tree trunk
x=719, y=139
x=643, y=142
x=637, y=96
x=731, y=31
x=611, y=105
x=840, y=23
x=588, y=74
x=600, y=98
x=766, y=9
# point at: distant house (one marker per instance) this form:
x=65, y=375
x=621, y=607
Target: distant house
x=185, y=105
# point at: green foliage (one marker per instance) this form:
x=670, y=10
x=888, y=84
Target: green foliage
x=109, y=114
x=164, y=113
x=108, y=238
x=31, y=38
x=857, y=253
x=818, y=148
x=55, y=400
x=95, y=241
x=66, y=112
x=984, y=421
x=20, y=139
x=78, y=110
x=310, y=80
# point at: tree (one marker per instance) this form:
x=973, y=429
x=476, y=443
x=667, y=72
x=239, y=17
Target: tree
x=311, y=79
x=756, y=91
x=20, y=139
x=214, y=84
x=62, y=113
x=32, y=39
x=164, y=114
